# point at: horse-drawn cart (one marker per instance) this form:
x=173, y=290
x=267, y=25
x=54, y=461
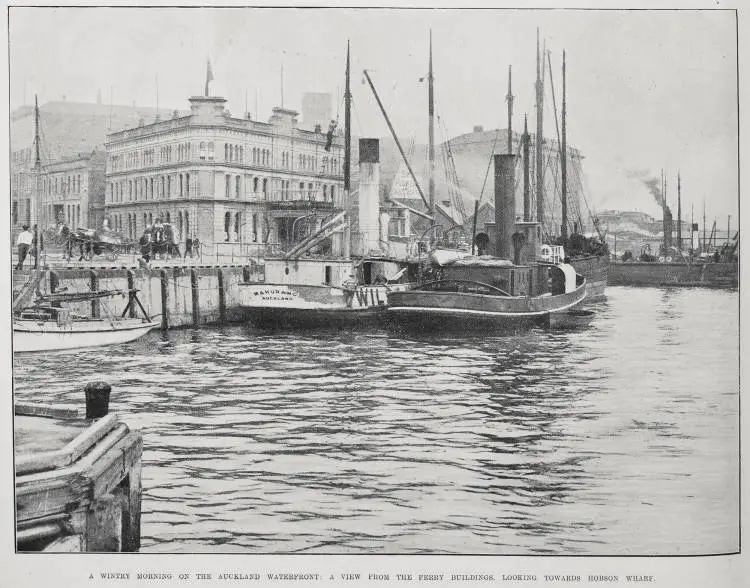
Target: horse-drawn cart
x=90, y=243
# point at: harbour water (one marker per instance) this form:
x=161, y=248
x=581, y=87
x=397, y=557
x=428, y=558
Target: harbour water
x=621, y=438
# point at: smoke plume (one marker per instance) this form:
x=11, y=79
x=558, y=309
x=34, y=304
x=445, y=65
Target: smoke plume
x=653, y=185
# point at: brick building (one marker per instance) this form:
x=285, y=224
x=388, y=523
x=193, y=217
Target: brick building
x=71, y=150
x=228, y=181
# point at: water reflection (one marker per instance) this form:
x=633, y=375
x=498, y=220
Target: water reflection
x=371, y=441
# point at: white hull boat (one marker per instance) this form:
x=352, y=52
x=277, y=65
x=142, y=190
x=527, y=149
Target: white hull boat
x=32, y=335
x=49, y=327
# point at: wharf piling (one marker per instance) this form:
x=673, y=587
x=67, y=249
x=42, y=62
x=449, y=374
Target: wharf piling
x=78, y=480
x=178, y=295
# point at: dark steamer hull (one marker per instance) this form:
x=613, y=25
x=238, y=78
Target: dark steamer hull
x=306, y=318
x=705, y=275
x=449, y=311
x=595, y=268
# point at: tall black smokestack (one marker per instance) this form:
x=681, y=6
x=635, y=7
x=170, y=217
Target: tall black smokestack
x=505, y=203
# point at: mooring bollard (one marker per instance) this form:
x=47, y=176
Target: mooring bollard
x=97, y=399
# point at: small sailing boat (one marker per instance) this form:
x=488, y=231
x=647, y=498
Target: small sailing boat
x=47, y=326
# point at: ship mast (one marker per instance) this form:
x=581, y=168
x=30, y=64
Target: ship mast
x=526, y=194
x=539, y=134
x=509, y=98
x=431, y=113
x=679, y=215
x=395, y=138
x=347, y=159
x=37, y=196
x=563, y=162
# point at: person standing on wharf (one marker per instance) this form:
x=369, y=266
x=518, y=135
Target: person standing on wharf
x=24, y=242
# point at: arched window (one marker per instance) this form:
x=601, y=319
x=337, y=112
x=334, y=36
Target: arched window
x=255, y=228
x=179, y=222
x=227, y=224
x=333, y=192
x=265, y=185
x=202, y=150
x=150, y=219
x=226, y=152
x=168, y=217
x=302, y=190
x=211, y=150
x=187, y=224
x=145, y=221
x=325, y=193
x=227, y=180
x=237, y=187
x=181, y=186
x=187, y=185
x=255, y=185
x=237, y=226
x=310, y=190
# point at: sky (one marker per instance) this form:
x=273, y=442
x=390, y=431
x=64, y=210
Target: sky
x=646, y=90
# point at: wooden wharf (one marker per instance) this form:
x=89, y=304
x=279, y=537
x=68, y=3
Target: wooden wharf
x=78, y=477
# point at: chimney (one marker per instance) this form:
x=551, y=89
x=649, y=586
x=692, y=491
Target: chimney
x=369, y=193
x=668, y=225
x=505, y=204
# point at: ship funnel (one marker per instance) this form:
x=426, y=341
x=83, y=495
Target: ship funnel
x=505, y=204
x=668, y=226
x=369, y=194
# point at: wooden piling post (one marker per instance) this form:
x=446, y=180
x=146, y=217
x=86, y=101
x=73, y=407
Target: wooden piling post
x=222, y=296
x=164, y=300
x=94, y=286
x=196, y=299
x=131, y=286
x=129, y=492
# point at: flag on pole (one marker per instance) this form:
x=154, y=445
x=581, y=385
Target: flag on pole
x=209, y=74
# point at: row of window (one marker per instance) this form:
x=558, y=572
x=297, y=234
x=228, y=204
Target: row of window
x=69, y=214
x=134, y=225
x=61, y=185
x=149, y=188
x=232, y=153
x=307, y=192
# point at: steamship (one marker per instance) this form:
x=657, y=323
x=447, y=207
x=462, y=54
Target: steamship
x=318, y=281
x=477, y=293
x=675, y=266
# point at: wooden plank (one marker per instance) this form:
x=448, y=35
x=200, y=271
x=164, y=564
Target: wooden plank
x=107, y=474
x=49, y=460
x=66, y=544
x=38, y=499
x=38, y=532
x=47, y=410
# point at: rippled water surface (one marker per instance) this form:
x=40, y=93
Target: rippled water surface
x=621, y=438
